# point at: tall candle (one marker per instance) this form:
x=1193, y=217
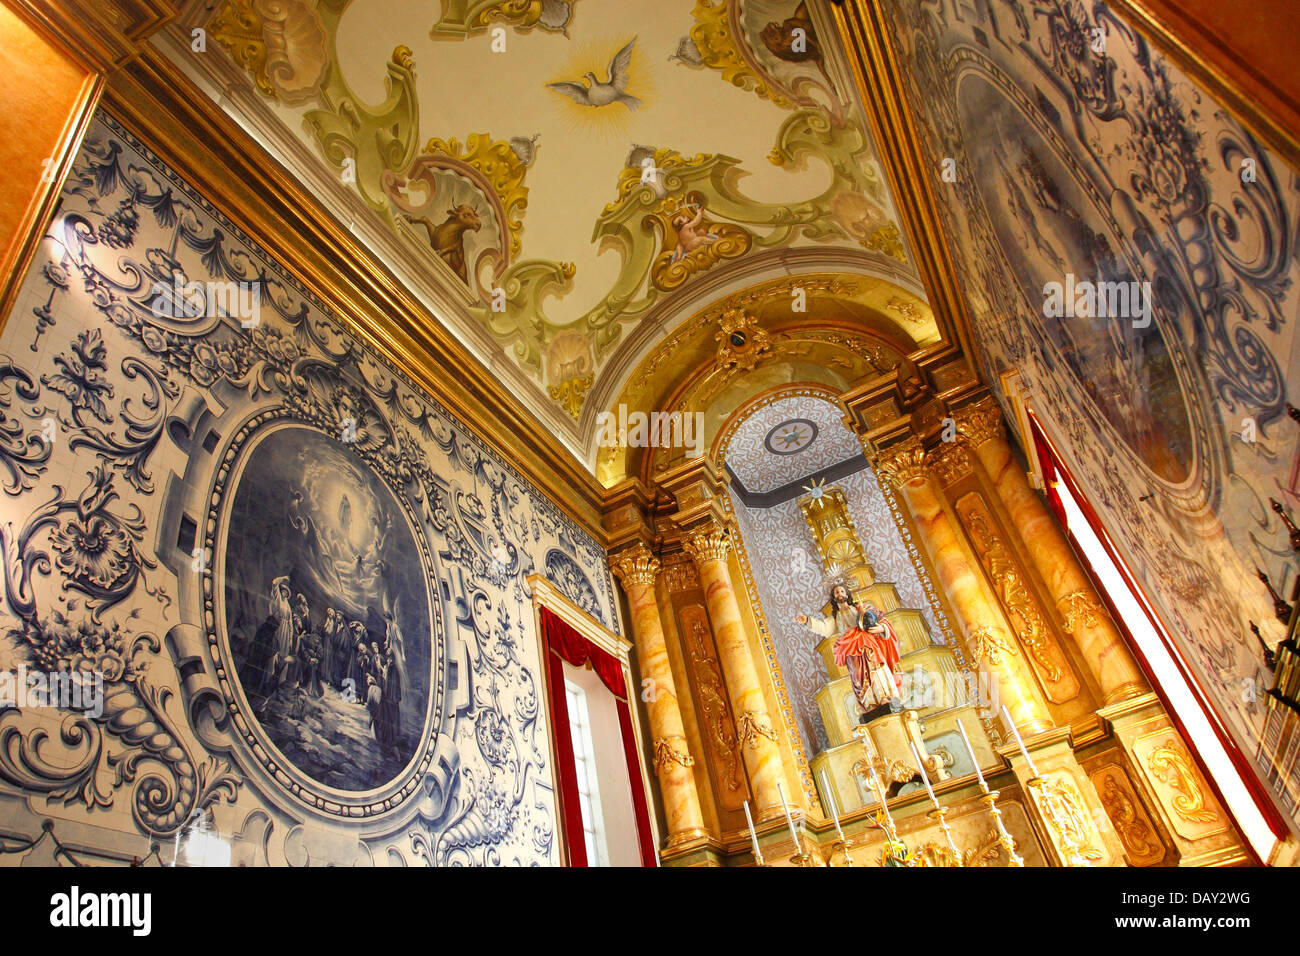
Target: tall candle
x=925, y=778
x=789, y=820
x=830, y=798
x=1012, y=724
x=973, y=759
x=753, y=837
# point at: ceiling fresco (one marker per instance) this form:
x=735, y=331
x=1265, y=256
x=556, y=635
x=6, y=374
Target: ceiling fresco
x=573, y=173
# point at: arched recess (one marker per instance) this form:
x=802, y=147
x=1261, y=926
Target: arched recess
x=830, y=330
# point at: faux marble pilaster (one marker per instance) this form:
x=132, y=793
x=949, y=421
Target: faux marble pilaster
x=708, y=548
x=637, y=570
x=986, y=632
x=1085, y=617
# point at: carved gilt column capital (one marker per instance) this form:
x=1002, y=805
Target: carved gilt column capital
x=902, y=464
x=709, y=542
x=635, y=566
x=950, y=462
x=980, y=422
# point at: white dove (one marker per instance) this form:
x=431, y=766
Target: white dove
x=597, y=93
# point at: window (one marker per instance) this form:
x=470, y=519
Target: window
x=584, y=762
x=1156, y=648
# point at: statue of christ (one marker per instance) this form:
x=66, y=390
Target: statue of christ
x=867, y=647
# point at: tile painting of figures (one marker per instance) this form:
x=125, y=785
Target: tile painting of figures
x=1049, y=228
x=327, y=610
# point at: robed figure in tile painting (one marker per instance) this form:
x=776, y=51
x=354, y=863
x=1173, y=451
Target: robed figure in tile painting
x=867, y=646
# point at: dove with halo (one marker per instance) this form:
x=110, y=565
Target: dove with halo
x=596, y=93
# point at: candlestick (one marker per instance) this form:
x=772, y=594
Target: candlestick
x=753, y=837
x=1004, y=838
x=789, y=820
x=973, y=759
x=940, y=813
x=1033, y=771
x=830, y=798
x=925, y=778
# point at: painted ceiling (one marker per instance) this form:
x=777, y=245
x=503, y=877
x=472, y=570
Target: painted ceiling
x=559, y=178
x=787, y=440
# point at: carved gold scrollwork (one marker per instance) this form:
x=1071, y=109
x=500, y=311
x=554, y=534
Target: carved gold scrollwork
x=951, y=463
x=1081, y=608
x=570, y=394
x=985, y=853
x=713, y=702
x=1170, y=765
x=934, y=855
x=1072, y=831
x=740, y=340
x=1127, y=817
x=988, y=643
x=1015, y=596
x=751, y=725
x=666, y=752
x=681, y=576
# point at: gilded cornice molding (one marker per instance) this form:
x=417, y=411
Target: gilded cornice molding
x=636, y=566
x=101, y=34
x=902, y=464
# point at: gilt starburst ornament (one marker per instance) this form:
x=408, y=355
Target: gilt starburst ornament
x=817, y=490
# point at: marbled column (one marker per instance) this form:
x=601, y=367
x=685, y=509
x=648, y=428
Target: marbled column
x=987, y=635
x=637, y=569
x=708, y=548
x=1103, y=650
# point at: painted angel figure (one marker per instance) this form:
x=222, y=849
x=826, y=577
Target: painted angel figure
x=692, y=232
x=867, y=647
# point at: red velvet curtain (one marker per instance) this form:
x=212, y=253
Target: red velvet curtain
x=563, y=644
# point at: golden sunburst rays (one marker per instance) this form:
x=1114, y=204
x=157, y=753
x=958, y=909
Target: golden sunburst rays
x=603, y=123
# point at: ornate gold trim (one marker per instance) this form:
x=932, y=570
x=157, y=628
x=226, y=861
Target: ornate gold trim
x=750, y=725
x=666, y=752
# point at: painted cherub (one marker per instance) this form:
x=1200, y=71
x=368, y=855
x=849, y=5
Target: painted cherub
x=691, y=232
